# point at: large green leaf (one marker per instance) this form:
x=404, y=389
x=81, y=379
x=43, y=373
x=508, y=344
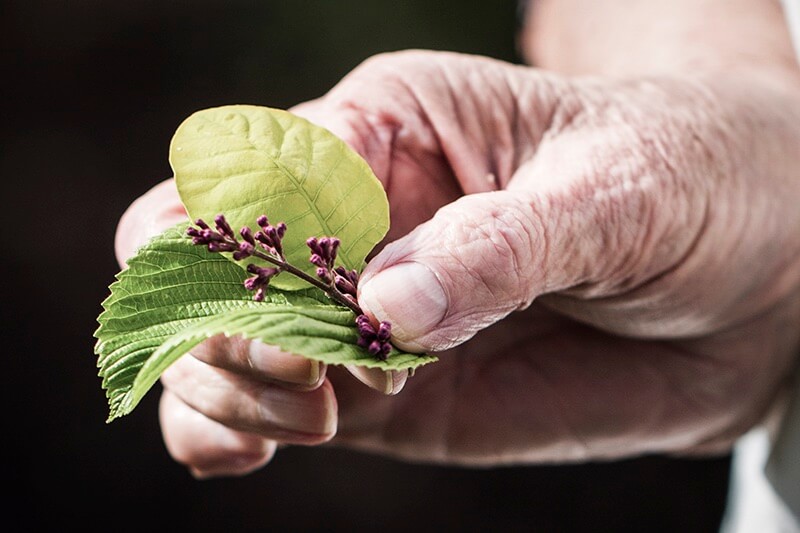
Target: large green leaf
x=173, y=295
x=244, y=161
x=324, y=333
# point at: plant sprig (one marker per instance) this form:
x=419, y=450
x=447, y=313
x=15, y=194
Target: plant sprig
x=245, y=160
x=338, y=283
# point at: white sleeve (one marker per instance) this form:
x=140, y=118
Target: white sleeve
x=764, y=492
x=783, y=466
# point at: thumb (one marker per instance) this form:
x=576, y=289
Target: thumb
x=477, y=260
x=489, y=254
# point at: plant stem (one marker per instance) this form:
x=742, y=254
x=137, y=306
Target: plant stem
x=330, y=290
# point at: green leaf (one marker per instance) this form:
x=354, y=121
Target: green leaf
x=244, y=161
x=173, y=295
x=323, y=333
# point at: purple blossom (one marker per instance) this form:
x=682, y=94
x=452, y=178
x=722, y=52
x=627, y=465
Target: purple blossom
x=375, y=341
x=245, y=250
x=221, y=246
x=223, y=227
x=223, y=239
x=337, y=282
x=247, y=235
x=323, y=255
x=260, y=281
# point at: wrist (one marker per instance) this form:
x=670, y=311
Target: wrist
x=650, y=37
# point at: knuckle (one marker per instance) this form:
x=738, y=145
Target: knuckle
x=499, y=244
x=395, y=61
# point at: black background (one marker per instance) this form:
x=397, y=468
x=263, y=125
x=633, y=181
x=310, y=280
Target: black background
x=92, y=92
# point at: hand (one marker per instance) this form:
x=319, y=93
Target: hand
x=612, y=268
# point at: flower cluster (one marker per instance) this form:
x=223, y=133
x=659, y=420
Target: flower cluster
x=223, y=239
x=340, y=284
x=375, y=341
x=323, y=256
x=345, y=282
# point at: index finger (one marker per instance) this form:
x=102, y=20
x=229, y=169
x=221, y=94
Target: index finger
x=150, y=214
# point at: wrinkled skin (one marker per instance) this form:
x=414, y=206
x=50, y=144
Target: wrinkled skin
x=619, y=260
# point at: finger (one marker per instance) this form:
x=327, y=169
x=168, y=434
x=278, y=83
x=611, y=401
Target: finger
x=469, y=266
x=207, y=447
x=386, y=382
x=261, y=362
x=244, y=404
x=156, y=210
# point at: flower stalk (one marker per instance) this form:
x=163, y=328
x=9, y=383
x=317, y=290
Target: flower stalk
x=338, y=283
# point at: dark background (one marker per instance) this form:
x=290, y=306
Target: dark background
x=92, y=92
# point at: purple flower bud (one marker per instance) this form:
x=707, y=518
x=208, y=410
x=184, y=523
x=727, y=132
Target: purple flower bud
x=384, y=331
x=229, y=246
x=334, y=248
x=191, y=231
x=316, y=260
x=245, y=250
x=260, y=281
x=262, y=273
x=264, y=239
x=376, y=342
x=247, y=235
x=325, y=246
x=386, y=349
x=210, y=235
x=262, y=221
x=324, y=274
x=344, y=285
x=268, y=244
x=281, y=227
x=201, y=223
x=375, y=347
x=223, y=227
x=350, y=275
x=252, y=284
x=272, y=233
x=314, y=245
x=365, y=329
x=362, y=319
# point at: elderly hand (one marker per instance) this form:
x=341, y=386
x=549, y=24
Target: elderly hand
x=605, y=267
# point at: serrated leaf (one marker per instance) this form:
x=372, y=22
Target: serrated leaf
x=244, y=161
x=323, y=333
x=173, y=295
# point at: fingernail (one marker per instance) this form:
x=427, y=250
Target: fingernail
x=387, y=382
x=277, y=365
x=410, y=296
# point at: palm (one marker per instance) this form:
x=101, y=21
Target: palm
x=537, y=386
